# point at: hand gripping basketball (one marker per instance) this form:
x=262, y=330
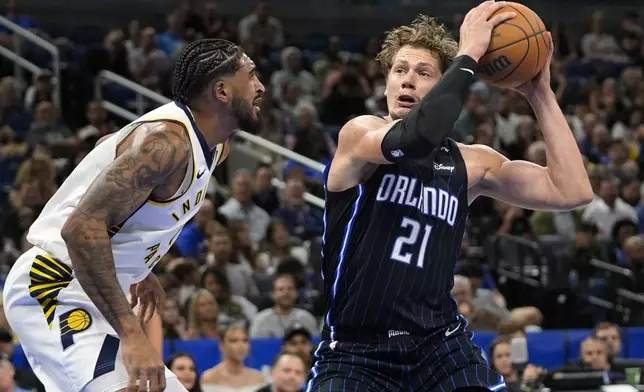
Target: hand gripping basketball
x=476, y=30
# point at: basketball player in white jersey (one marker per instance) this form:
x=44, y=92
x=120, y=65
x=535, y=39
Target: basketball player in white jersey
x=112, y=220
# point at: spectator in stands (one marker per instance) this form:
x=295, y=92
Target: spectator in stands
x=185, y=368
x=35, y=183
x=172, y=37
x=608, y=208
x=12, y=112
x=241, y=207
x=231, y=374
x=594, y=354
x=98, y=124
x=173, y=323
x=484, y=312
x=308, y=137
x=41, y=90
x=186, y=271
x=346, y=100
x=562, y=223
x=297, y=340
x=301, y=220
x=501, y=359
x=203, y=316
x=288, y=373
x=134, y=36
x=246, y=248
x=622, y=230
x=278, y=246
x=112, y=55
x=273, y=322
x=191, y=240
x=7, y=374
x=609, y=333
x=293, y=73
x=47, y=128
x=598, y=44
x=233, y=309
x=265, y=195
x=149, y=65
x=262, y=28
x=222, y=255
x=483, y=284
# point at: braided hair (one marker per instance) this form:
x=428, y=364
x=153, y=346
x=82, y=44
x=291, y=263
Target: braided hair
x=201, y=62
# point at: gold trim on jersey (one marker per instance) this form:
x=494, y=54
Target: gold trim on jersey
x=220, y=152
x=48, y=276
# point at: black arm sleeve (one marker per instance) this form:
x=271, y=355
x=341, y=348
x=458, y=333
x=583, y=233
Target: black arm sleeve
x=427, y=124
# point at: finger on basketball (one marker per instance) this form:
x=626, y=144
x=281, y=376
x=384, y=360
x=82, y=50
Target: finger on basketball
x=489, y=11
x=500, y=18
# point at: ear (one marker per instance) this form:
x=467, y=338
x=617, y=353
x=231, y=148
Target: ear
x=222, y=91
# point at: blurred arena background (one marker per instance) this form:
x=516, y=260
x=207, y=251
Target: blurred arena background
x=558, y=291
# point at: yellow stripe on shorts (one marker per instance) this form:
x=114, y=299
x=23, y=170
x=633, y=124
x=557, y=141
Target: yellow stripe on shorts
x=48, y=276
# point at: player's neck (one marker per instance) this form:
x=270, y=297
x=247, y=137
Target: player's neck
x=215, y=127
x=210, y=328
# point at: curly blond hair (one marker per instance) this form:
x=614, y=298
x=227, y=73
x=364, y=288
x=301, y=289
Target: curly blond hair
x=424, y=32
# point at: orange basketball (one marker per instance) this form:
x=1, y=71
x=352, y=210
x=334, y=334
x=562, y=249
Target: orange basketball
x=518, y=49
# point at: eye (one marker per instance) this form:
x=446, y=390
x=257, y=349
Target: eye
x=425, y=74
x=399, y=70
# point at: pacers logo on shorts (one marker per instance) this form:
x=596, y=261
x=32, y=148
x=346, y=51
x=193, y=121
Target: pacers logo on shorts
x=71, y=323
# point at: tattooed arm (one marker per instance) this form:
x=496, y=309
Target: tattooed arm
x=147, y=158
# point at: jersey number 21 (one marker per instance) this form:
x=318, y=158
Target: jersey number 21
x=406, y=246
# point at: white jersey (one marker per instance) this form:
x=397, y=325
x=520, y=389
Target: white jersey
x=141, y=240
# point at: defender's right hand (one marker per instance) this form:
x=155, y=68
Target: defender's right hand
x=476, y=30
x=144, y=365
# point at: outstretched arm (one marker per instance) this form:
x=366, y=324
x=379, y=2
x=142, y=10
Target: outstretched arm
x=147, y=158
x=564, y=183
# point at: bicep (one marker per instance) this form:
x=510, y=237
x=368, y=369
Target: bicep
x=147, y=160
x=521, y=183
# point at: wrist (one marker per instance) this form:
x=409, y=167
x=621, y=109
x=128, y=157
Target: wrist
x=540, y=97
x=130, y=328
x=467, y=57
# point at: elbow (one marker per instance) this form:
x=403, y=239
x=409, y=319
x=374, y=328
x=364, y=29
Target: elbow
x=580, y=199
x=70, y=230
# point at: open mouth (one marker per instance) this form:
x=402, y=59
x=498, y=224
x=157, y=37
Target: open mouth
x=406, y=101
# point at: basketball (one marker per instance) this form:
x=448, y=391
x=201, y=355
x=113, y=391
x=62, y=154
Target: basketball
x=78, y=320
x=518, y=49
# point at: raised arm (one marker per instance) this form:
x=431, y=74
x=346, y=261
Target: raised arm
x=368, y=139
x=562, y=185
x=149, y=156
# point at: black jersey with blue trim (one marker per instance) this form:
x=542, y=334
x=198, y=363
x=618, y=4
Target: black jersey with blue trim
x=390, y=245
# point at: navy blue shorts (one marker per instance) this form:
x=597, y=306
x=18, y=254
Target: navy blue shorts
x=400, y=362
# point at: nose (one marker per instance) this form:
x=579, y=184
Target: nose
x=260, y=87
x=409, y=81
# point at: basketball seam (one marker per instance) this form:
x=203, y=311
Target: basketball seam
x=517, y=41
x=533, y=32
x=522, y=60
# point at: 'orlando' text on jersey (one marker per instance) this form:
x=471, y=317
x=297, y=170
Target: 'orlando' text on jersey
x=391, y=244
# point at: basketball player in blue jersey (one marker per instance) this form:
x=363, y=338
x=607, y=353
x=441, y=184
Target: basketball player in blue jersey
x=113, y=219
x=397, y=196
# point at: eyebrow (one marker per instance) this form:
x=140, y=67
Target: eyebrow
x=421, y=64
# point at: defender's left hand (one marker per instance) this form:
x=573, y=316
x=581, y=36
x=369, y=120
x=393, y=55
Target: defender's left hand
x=541, y=82
x=150, y=295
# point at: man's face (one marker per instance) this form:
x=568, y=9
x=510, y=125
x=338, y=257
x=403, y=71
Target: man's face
x=299, y=344
x=247, y=94
x=613, y=341
x=593, y=353
x=414, y=72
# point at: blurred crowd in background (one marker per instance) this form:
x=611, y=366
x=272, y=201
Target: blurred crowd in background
x=247, y=265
